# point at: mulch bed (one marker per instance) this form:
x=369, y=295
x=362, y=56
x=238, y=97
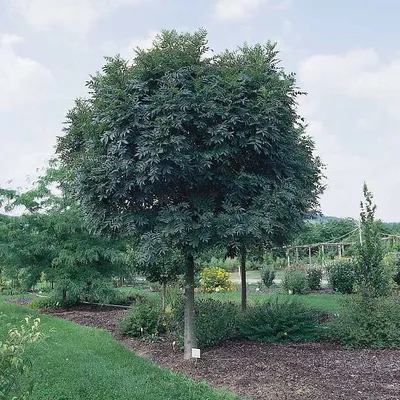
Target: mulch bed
x=267, y=371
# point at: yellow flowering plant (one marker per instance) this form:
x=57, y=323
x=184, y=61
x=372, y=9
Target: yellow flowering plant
x=215, y=279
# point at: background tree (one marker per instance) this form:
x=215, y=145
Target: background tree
x=372, y=276
x=50, y=237
x=189, y=152
x=158, y=263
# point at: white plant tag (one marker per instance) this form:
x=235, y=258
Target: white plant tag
x=195, y=353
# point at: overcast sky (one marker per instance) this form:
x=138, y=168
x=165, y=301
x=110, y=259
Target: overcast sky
x=345, y=53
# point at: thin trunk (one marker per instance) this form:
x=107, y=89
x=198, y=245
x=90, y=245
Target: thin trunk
x=243, y=277
x=164, y=296
x=64, y=296
x=190, y=341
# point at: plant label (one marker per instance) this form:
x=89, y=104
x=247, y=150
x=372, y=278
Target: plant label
x=195, y=353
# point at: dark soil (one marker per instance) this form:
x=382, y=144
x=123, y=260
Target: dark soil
x=268, y=371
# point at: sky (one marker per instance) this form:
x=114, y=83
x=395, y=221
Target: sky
x=345, y=53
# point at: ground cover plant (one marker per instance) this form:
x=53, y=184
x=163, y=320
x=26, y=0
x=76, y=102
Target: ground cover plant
x=280, y=321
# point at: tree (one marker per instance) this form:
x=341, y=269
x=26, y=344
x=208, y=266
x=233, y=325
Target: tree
x=162, y=267
x=371, y=275
x=326, y=231
x=190, y=152
x=51, y=238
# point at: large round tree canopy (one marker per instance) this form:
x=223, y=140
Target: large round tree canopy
x=194, y=148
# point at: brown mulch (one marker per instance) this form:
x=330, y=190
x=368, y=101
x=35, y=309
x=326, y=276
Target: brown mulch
x=267, y=371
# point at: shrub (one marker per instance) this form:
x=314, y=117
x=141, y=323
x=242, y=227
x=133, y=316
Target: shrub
x=280, y=321
x=13, y=362
x=314, y=276
x=396, y=268
x=214, y=279
x=342, y=277
x=228, y=264
x=215, y=321
x=122, y=298
x=396, y=276
x=367, y=323
x=296, y=281
x=268, y=275
x=44, y=303
x=144, y=318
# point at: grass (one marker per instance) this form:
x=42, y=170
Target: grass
x=76, y=362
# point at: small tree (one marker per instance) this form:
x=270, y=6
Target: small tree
x=50, y=237
x=372, y=276
x=192, y=152
x=157, y=262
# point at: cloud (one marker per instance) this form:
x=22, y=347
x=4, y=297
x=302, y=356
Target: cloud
x=234, y=10
x=143, y=43
x=23, y=81
x=127, y=51
x=77, y=16
x=352, y=109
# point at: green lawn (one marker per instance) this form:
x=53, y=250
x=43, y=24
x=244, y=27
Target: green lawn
x=76, y=362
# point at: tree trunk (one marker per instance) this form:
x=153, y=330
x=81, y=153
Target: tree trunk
x=189, y=334
x=164, y=296
x=243, y=253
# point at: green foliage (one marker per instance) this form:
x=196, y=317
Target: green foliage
x=268, y=275
x=396, y=273
x=367, y=322
x=280, y=321
x=13, y=359
x=157, y=262
x=342, y=276
x=296, y=281
x=214, y=279
x=326, y=231
x=314, y=276
x=215, y=321
x=44, y=302
x=189, y=151
x=51, y=239
x=396, y=276
x=228, y=264
x=372, y=277
x=144, y=318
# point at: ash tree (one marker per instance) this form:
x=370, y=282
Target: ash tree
x=189, y=151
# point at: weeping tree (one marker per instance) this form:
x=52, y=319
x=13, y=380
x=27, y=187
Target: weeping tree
x=190, y=152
